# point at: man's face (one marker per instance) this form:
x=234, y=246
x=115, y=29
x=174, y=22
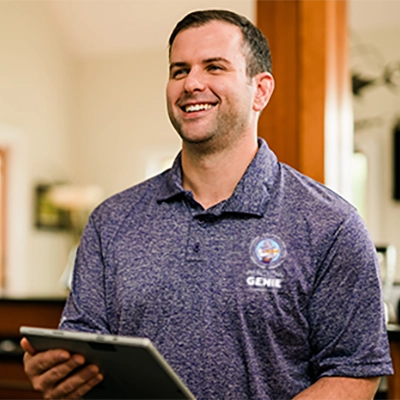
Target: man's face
x=209, y=95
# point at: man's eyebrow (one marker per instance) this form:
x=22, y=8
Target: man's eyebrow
x=178, y=65
x=216, y=59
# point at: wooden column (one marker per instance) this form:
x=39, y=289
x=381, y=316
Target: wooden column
x=308, y=41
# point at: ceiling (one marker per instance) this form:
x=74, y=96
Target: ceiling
x=104, y=27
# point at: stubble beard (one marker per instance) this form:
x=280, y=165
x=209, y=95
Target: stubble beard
x=222, y=133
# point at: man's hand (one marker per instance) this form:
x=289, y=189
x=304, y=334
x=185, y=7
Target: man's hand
x=57, y=374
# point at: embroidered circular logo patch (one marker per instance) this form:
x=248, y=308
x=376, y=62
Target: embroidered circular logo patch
x=267, y=251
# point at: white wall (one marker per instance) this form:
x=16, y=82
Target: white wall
x=372, y=47
x=120, y=118
x=35, y=115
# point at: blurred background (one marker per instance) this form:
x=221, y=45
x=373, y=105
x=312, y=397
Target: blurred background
x=83, y=116
x=82, y=110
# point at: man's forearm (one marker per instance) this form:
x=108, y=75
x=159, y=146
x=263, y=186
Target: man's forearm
x=341, y=388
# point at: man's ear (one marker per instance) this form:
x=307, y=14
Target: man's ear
x=264, y=87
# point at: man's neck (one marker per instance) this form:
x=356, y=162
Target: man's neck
x=213, y=177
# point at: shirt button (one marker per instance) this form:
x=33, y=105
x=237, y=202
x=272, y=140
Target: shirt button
x=196, y=247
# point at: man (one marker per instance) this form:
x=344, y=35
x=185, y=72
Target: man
x=251, y=279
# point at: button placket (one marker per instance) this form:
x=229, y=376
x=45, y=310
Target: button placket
x=194, y=248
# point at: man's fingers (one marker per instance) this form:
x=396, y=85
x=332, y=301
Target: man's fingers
x=47, y=375
x=76, y=385
x=58, y=374
x=81, y=391
x=38, y=363
x=26, y=346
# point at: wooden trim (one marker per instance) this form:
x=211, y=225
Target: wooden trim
x=393, y=381
x=312, y=64
x=3, y=207
x=309, y=56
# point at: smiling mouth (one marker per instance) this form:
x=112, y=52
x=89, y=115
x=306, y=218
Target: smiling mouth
x=197, y=107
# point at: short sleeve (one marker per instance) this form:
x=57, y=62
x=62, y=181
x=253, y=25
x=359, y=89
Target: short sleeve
x=347, y=329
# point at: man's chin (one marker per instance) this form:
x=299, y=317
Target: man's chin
x=193, y=138
x=195, y=141
x=201, y=146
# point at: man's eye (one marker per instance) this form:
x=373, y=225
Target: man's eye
x=179, y=73
x=214, y=68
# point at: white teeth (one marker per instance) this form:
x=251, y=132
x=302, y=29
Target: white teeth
x=198, y=107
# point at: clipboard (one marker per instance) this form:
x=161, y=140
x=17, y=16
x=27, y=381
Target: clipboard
x=132, y=367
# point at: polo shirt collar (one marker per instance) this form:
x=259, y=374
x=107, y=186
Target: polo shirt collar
x=250, y=195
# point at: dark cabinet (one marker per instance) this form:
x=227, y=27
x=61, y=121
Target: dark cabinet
x=14, y=313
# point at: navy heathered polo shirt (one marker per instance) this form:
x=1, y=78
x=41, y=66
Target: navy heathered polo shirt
x=254, y=298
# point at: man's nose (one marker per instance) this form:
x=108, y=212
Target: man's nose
x=194, y=81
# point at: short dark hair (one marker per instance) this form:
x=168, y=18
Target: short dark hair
x=256, y=48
